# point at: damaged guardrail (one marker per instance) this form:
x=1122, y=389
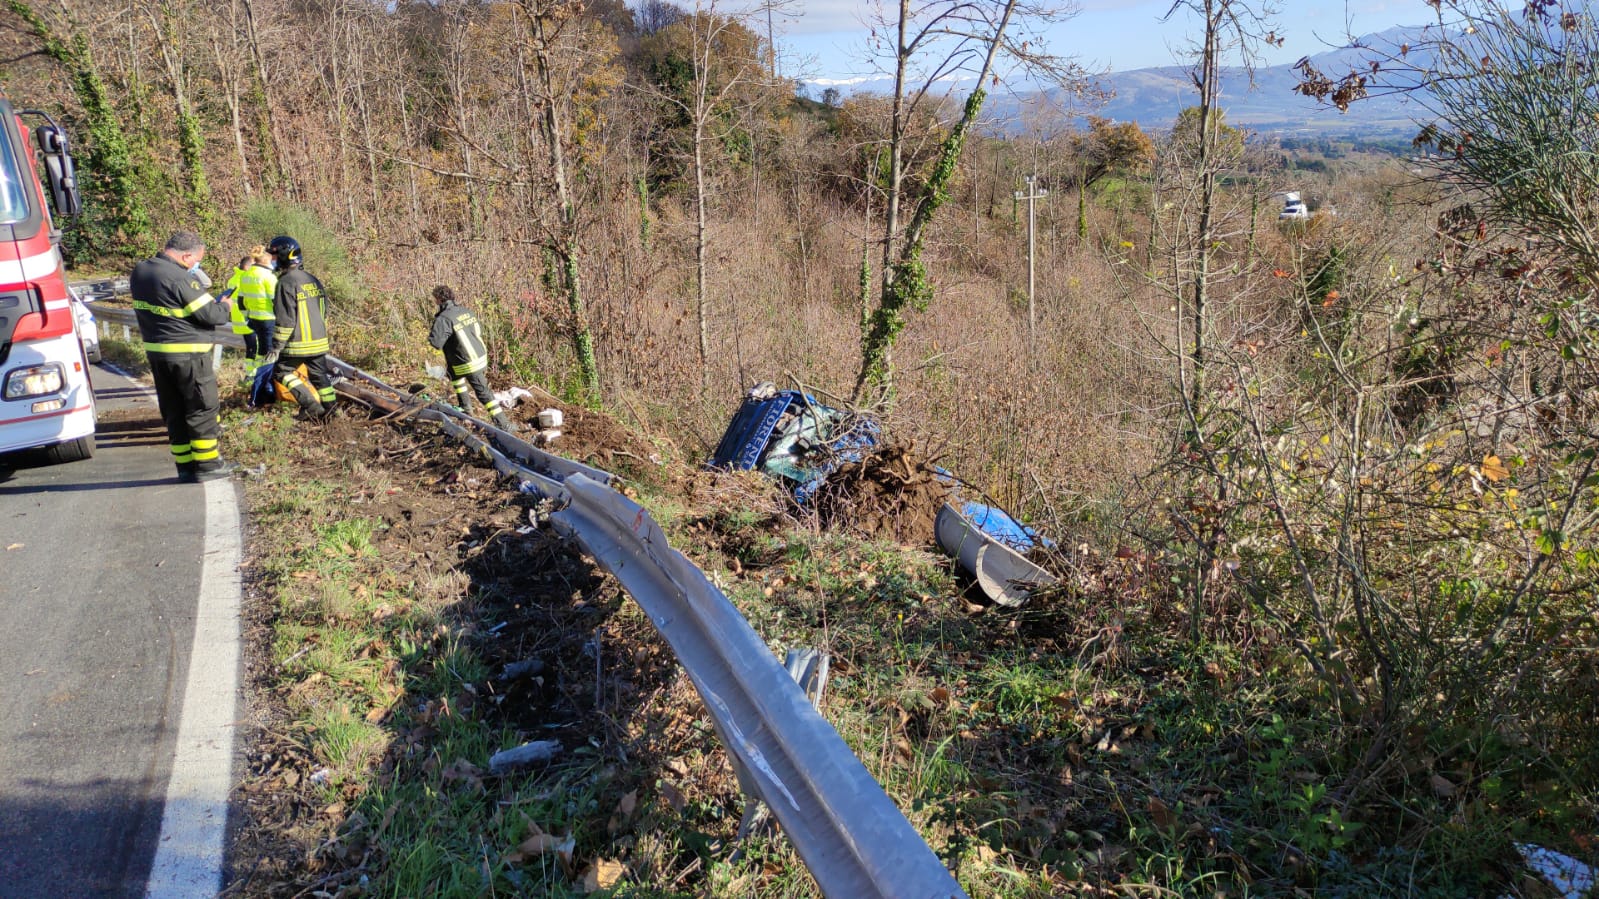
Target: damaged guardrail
x=846, y=829
x=850, y=834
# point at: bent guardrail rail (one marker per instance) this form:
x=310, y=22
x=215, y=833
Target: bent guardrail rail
x=852, y=837
x=850, y=834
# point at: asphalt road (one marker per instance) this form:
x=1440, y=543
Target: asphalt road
x=100, y=564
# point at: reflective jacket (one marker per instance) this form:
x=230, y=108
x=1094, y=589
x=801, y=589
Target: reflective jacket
x=240, y=326
x=257, y=284
x=301, y=307
x=456, y=332
x=176, y=314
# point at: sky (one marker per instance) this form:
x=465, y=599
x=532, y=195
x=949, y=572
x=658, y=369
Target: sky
x=825, y=41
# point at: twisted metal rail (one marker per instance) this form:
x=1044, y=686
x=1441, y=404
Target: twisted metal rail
x=849, y=833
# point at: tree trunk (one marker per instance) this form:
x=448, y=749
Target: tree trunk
x=565, y=243
x=699, y=254
x=905, y=278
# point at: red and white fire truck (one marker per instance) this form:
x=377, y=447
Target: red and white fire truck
x=46, y=400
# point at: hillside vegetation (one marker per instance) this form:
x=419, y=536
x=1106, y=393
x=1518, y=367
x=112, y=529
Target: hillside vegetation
x=1325, y=491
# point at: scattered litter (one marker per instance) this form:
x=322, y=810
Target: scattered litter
x=320, y=776
x=524, y=668
x=434, y=371
x=545, y=438
x=1570, y=878
x=15, y=546
x=526, y=754
x=509, y=398
x=498, y=627
x=548, y=419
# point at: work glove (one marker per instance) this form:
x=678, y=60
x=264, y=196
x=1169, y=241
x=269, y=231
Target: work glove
x=271, y=358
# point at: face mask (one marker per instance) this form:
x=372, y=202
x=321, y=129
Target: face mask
x=200, y=275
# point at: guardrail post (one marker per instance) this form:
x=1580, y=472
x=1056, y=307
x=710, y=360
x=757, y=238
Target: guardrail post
x=808, y=667
x=126, y=337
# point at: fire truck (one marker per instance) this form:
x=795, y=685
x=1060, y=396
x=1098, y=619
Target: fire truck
x=46, y=400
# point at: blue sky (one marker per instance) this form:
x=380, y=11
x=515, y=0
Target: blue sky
x=826, y=39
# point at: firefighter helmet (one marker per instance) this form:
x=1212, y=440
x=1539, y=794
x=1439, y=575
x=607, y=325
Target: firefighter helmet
x=286, y=250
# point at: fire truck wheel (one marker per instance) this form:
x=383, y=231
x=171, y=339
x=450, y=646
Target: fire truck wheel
x=71, y=451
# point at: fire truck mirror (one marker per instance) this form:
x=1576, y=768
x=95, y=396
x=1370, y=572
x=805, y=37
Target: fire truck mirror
x=59, y=169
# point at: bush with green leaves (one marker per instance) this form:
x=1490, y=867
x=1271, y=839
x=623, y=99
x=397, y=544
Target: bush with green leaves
x=325, y=254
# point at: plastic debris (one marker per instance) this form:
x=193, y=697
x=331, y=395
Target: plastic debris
x=526, y=754
x=1570, y=878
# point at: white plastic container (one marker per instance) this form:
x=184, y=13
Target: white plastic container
x=549, y=418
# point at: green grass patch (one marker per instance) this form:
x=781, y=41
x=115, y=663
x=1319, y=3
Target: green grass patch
x=124, y=355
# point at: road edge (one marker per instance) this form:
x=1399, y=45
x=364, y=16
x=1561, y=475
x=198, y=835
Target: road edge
x=189, y=853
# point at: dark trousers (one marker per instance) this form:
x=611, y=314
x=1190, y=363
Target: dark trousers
x=316, y=368
x=480, y=386
x=259, y=338
x=186, y=391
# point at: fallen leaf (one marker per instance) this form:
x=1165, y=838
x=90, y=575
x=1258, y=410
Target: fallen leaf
x=1162, y=814
x=1441, y=785
x=537, y=843
x=939, y=695
x=673, y=796
x=602, y=875
x=1493, y=468
x=464, y=771
x=623, y=813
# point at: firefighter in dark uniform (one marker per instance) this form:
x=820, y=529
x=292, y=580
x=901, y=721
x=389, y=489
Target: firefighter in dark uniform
x=176, y=320
x=456, y=332
x=300, y=306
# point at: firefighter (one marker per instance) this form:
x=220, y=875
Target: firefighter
x=252, y=286
x=177, y=320
x=300, y=308
x=456, y=332
x=241, y=326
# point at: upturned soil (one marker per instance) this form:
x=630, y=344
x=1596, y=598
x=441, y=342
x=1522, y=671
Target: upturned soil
x=588, y=674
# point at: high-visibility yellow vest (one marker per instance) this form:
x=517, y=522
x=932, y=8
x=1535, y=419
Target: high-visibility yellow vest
x=240, y=326
x=257, y=284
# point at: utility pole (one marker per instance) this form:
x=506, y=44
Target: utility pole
x=1030, y=195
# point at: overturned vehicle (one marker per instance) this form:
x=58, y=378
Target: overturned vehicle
x=791, y=437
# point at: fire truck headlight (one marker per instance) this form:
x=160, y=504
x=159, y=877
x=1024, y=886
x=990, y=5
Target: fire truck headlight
x=34, y=380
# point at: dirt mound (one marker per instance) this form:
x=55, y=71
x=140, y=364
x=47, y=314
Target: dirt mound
x=596, y=439
x=887, y=495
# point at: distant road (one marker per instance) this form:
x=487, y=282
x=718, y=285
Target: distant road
x=100, y=569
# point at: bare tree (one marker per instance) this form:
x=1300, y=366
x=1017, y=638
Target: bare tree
x=728, y=80
x=1230, y=26
x=933, y=43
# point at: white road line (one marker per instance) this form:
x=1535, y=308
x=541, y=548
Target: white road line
x=188, y=859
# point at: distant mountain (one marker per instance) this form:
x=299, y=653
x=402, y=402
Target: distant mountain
x=1153, y=97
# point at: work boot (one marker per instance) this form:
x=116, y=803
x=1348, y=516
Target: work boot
x=186, y=472
x=505, y=423
x=310, y=407
x=214, y=470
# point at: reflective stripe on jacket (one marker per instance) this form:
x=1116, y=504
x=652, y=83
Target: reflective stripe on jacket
x=175, y=314
x=456, y=332
x=300, y=306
